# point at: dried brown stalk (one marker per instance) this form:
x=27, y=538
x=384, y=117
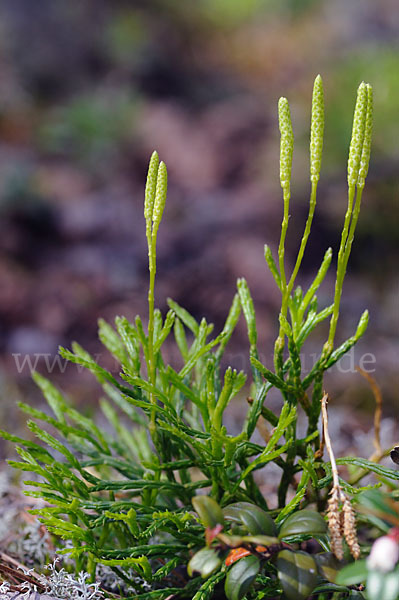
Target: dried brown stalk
x=379, y=453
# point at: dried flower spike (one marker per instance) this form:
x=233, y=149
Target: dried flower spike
x=316, y=130
x=334, y=524
x=350, y=532
x=341, y=523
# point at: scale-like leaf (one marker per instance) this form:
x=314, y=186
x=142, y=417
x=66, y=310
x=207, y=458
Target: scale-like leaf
x=199, y=353
x=368, y=465
x=112, y=341
x=166, y=329
x=248, y=310
x=53, y=396
x=229, y=326
x=206, y=590
x=184, y=316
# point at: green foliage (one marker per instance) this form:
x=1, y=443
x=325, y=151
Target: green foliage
x=297, y=573
x=253, y=518
x=240, y=577
x=261, y=552
x=205, y=562
x=303, y=522
x=124, y=496
x=209, y=511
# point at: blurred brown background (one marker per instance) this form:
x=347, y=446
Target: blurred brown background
x=88, y=89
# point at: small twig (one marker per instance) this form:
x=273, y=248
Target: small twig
x=16, y=578
x=319, y=453
x=18, y=570
x=378, y=454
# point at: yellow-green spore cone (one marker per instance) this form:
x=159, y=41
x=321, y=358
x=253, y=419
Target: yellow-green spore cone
x=286, y=142
x=150, y=187
x=365, y=156
x=160, y=195
x=316, y=129
x=358, y=128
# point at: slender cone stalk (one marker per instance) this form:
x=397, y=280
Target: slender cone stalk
x=154, y=204
x=286, y=151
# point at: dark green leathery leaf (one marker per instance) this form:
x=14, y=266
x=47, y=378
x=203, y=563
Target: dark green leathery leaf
x=297, y=572
x=205, y=562
x=209, y=511
x=307, y=522
x=240, y=577
x=256, y=520
x=327, y=565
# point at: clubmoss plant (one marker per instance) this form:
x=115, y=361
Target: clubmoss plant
x=125, y=499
